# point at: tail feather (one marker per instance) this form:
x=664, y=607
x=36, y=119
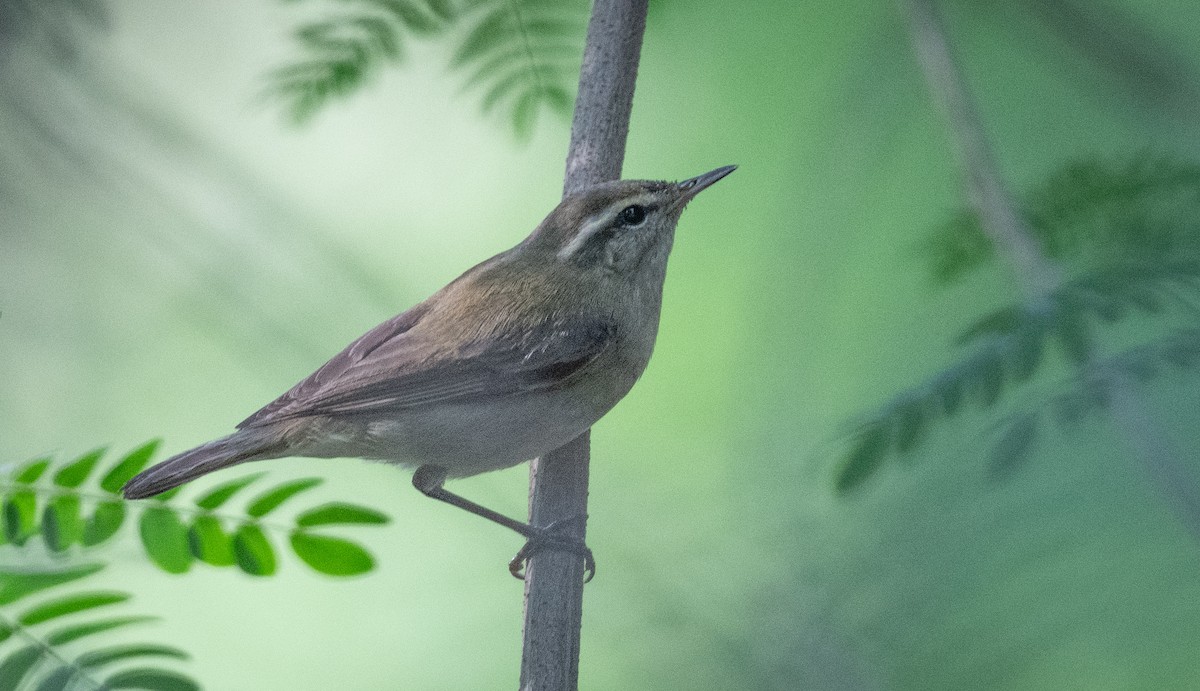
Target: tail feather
x=239, y=447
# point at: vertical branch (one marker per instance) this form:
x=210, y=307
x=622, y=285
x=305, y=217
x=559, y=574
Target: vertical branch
x=1160, y=458
x=559, y=480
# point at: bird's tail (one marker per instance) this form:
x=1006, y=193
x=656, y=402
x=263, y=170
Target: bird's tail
x=238, y=447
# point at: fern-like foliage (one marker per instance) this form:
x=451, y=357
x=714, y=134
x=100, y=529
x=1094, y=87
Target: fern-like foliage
x=50, y=645
x=51, y=503
x=1131, y=233
x=1088, y=212
x=521, y=55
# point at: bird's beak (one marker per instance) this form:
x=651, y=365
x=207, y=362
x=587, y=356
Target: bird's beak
x=690, y=188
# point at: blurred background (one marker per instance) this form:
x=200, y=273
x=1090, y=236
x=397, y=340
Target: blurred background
x=191, y=224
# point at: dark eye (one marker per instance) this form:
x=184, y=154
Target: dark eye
x=633, y=215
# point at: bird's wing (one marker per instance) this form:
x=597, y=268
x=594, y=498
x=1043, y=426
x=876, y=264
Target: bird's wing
x=354, y=353
x=397, y=373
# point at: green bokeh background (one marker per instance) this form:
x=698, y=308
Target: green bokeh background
x=181, y=255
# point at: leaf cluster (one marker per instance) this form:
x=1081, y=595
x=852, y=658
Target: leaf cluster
x=50, y=503
x=40, y=643
x=522, y=56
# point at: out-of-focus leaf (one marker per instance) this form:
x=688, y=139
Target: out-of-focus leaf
x=1015, y=445
x=15, y=585
x=75, y=632
x=6, y=631
x=62, y=526
x=864, y=458
x=253, y=552
x=331, y=555
x=31, y=471
x=130, y=465
x=270, y=500
x=911, y=424
x=209, y=542
x=989, y=379
x=337, y=512
x=70, y=605
x=73, y=474
x=20, y=516
x=150, y=680
x=105, y=521
x=58, y=679
x=166, y=539
x=17, y=665
x=214, y=498
x=103, y=656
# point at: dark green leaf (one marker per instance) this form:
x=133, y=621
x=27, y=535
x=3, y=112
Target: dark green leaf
x=6, y=631
x=32, y=470
x=130, y=465
x=865, y=457
x=58, y=679
x=74, y=632
x=105, y=521
x=331, y=555
x=339, y=513
x=1025, y=353
x=20, y=516
x=253, y=552
x=268, y=501
x=17, y=665
x=1073, y=334
x=150, y=680
x=949, y=388
x=911, y=425
x=409, y=16
x=209, y=542
x=103, y=656
x=164, y=497
x=73, y=474
x=220, y=494
x=989, y=379
x=1014, y=447
x=15, y=585
x=62, y=526
x=70, y=605
x=166, y=539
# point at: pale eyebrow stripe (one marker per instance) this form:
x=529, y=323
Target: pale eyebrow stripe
x=598, y=221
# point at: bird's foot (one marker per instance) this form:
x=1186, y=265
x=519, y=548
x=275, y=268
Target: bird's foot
x=554, y=537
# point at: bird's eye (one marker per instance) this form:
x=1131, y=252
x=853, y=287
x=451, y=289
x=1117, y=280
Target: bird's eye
x=633, y=215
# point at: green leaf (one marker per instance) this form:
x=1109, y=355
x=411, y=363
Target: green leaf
x=150, y=680
x=130, y=465
x=253, y=552
x=1014, y=447
x=330, y=555
x=17, y=665
x=1073, y=334
x=15, y=585
x=70, y=605
x=220, y=494
x=166, y=539
x=31, y=471
x=20, y=516
x=105, y=521
x=62, y=526
x=6, y=631
x=58, y=679
x=76, y=631
x=208, y=541
x=73, y=474
x=911, y=426
x=268, y=501
x=103, y=656
x=865, y=457
x=989, y=379
x=339, y=513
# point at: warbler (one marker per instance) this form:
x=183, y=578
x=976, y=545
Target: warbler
x=514, y=358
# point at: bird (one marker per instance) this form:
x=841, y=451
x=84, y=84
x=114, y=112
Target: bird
x=514, y=358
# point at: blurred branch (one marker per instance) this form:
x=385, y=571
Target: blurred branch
x=1014, y=241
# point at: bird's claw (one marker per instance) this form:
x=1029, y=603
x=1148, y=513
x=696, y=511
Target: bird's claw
x=554, y=537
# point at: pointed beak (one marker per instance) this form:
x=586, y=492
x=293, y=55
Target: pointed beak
x=690, y=188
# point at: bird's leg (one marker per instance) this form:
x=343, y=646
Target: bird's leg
x=429, y=480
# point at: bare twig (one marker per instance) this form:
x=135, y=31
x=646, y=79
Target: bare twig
x=559, y=480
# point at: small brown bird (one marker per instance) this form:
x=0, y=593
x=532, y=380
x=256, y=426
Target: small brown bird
x=513, y=359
